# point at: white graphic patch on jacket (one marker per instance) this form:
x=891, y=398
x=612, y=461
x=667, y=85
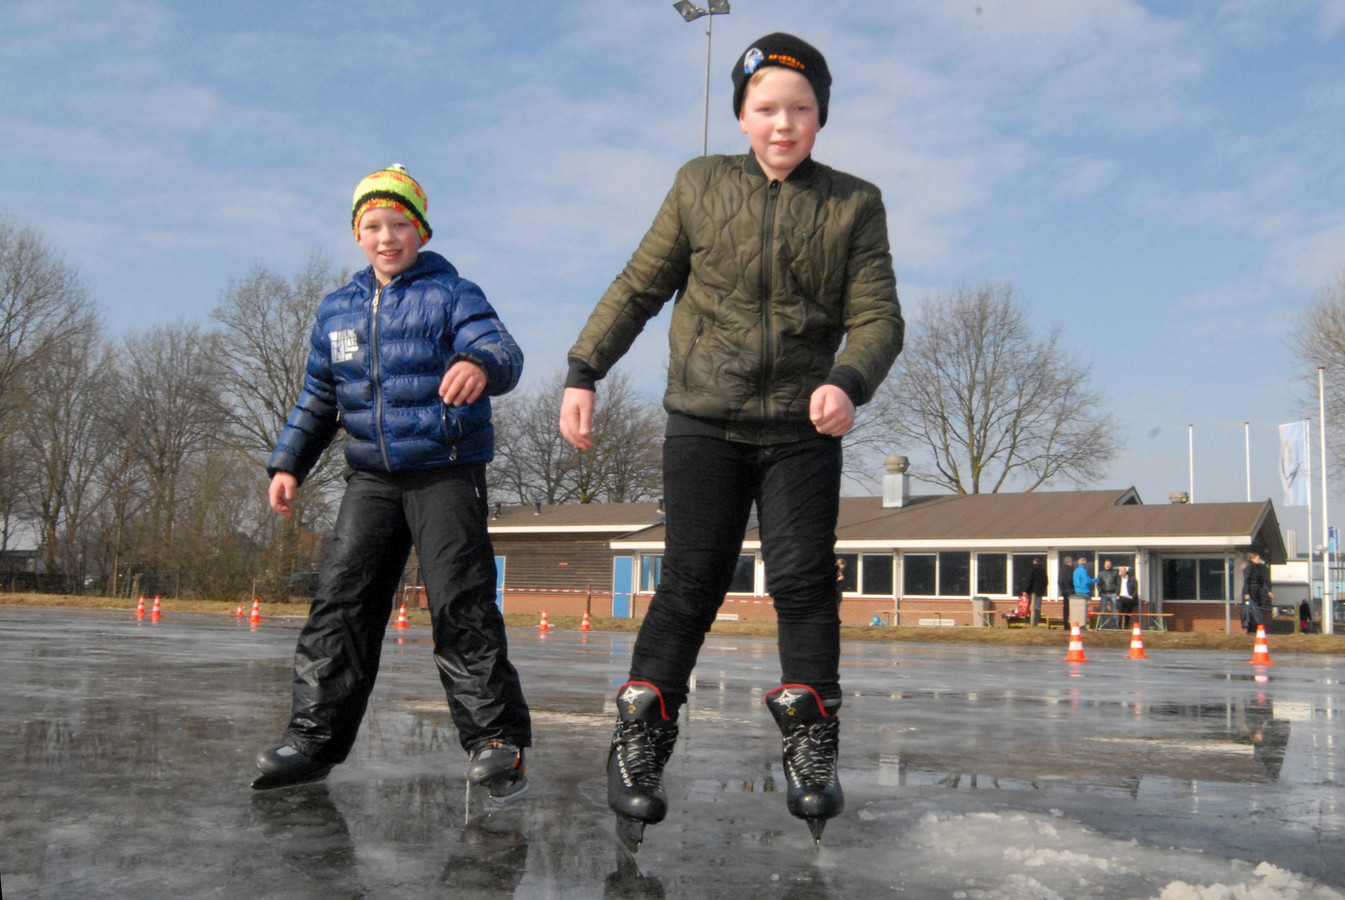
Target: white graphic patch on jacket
x=345, y=345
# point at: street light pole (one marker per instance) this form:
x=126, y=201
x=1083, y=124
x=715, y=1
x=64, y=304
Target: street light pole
x=691, y=12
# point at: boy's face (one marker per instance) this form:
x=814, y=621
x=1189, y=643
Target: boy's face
x=779, y=117
x=390, y=242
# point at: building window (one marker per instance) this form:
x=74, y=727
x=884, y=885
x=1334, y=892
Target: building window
x=919, y=574
x=1179, y=579
x=955, y=574
x=876, y=576
x=1196, y=579
x=992, y=573
x=946, y=574
x=1022, y=567
x=744, y=576
x=1216, y=579
x=651, y=569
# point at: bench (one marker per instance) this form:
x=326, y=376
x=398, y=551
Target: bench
x=1149, y=621
x=1013, y=620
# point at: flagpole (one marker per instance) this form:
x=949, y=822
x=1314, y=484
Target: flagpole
x=1328, y=589
x=1307, y=463
x=1247, y=441
x=1191, y=460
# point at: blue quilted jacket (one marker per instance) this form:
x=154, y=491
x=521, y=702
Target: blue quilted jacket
x=374, y=367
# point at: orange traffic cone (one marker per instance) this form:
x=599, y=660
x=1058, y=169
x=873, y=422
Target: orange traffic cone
x=239, y=613
x=584, y=626
x=256, y=617
x=1136, y=644
x=401, y=619
x=157, y=613
x=543, y=627
x=1075, y=645
x=1261, y=652
x=140, y=608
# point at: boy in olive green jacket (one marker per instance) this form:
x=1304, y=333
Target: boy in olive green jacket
x=778, y=260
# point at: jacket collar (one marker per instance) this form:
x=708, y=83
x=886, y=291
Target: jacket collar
x=803, y=172
x=427, y=263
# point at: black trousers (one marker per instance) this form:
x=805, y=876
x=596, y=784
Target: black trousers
x=443, y=512
x=709, y=488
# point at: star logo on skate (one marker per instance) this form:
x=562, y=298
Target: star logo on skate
x=630, y=696
x=787, y=698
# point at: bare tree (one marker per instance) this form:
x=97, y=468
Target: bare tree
x=986, y=405
x=625, y=463
x=116, y=527
x=534, y=464
x=1319, y=336
x=169, y=410
x=42, y=304
x=215, y=554
x=59, y=426
x=13, y=499
x=265, y=324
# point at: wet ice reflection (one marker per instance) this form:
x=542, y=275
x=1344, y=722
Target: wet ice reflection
x=976, y=772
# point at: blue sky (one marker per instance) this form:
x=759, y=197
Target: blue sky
x=1163, y=180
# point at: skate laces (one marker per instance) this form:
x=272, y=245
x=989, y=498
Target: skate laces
x=811, y=752
x=642, y=750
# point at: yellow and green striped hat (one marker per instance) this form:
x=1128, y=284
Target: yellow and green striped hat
x=394, y=189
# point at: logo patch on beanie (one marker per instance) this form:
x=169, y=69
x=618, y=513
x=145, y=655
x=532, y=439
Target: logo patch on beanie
x=793, y=62
x=751, y=59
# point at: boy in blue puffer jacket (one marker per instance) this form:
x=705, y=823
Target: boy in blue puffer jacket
x=404, y=358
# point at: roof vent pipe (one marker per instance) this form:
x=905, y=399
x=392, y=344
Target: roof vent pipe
x=897, y=482
x=1179, y=497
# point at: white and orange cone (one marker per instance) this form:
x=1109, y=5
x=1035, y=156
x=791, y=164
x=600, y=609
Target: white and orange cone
x=401, y=619
x=543, y=627
x=1075, y=644
x=1136, y=644
x=256, y=617
x=584, y=626
x=140, y=608
x=1260, y=651
x=157, y=613
x=239, y=613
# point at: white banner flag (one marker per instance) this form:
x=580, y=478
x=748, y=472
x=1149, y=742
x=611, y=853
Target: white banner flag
x=1294, y=475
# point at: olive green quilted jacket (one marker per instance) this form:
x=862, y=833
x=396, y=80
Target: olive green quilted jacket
x=772, y=277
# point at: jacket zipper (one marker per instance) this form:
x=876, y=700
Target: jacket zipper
x=686, y=358
x=377, y=382
x=767, y=259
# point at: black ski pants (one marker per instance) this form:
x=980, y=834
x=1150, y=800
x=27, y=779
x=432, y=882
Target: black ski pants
x=709, y=487
x=443, y=512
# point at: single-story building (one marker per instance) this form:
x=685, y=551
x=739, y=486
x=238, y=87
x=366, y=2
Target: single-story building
x=922, y=560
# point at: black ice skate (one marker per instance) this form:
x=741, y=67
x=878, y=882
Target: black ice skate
x=811, y=745
x=641, y=745
x=284, y=766
x=498, y=765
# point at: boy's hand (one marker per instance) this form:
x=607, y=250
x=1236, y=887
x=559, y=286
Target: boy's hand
x=282, y=491
x=576, y=417
x=463, y=383
x=831, y=411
